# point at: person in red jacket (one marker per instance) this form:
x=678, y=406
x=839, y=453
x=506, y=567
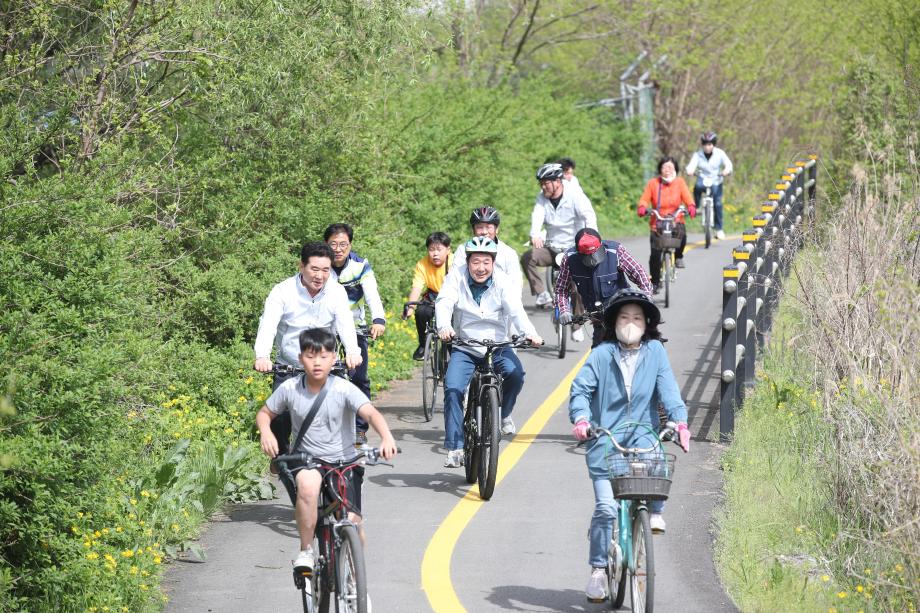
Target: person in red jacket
x=665, y=193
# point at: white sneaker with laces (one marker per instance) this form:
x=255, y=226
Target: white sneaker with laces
x=597, y=586
x=578, y=335
x=543, y=298
x=656, y=521
x=720, y=235
x=454, y=459
x=508, y=426
x=304, y=560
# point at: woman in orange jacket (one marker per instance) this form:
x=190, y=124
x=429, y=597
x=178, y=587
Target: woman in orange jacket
x=665, y=193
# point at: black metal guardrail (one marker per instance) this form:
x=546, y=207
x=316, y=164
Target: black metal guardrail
x=751, y=285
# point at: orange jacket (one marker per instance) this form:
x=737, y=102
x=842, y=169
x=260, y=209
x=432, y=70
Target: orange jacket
x=673, y=194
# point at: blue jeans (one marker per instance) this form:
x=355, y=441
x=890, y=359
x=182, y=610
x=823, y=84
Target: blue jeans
x=603, y=519
x=457, y=379
x=699, y=190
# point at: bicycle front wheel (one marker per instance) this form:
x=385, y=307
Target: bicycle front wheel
x=350, y=573
x=616, y=574
x=707, y=221
x=322, y=581
x=642, y=588
x=667, y=279
x=560, y=336
x=471, y=437
x=488, y=449
x=429, y=376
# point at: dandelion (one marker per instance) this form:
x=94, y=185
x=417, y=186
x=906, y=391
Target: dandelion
x=825, y=578
x=79, y=513
x=140, y=523
x=228, y=430
x=118, y=529
x=105, y=530
x=157, y=559
x=134, y=569
x=92, y=555
x=241, y=399
x=899, y=568
x=859, y=589
x=87, y=544
x=799, y=529
x=868, y=571
x=131, y=515
x=248, y=381
x=143, y=587
x=97, y=534
x=841, y=595
x=127, y=553
x=75, y=530
x=174, y=527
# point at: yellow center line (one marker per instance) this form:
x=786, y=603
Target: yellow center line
x=436, y=563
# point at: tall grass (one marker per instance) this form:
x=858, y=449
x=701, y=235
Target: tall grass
x=823, y=478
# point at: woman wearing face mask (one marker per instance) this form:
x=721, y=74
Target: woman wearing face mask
x=665, y=193
x=624, y=379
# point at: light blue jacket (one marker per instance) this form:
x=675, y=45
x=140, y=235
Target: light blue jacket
x=599, y=395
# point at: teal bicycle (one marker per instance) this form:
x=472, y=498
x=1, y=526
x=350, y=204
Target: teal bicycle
x=638, y=475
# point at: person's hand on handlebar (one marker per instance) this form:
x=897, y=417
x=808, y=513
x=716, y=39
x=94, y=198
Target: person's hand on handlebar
x=447, y=334
x=388, y=447
x=642, y=211
x=353, y=360
x=692, y=210
x=535, y=340
x=683, y=434
x=407, y=311
x=263, y=364
x=582, y=430
x=565, y=318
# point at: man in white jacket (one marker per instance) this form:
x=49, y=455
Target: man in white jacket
x=476, y=302
x=306, y=300
x=563, y=212
x=484, y=221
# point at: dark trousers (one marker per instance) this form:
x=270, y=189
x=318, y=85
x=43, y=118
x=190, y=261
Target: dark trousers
x=716, y=191
x=423, y=314
x=654, y=260
x=359, y=377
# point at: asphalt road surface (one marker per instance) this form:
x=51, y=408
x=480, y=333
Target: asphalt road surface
x=434, y=546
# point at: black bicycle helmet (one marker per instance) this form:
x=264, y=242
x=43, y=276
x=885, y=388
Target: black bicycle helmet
x=709, y=137
x=627, y=296
x=485, y=214
x=549, y=172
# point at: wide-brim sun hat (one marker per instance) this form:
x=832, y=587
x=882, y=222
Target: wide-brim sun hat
x=631, y=296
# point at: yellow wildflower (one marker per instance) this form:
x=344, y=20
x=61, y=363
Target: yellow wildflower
x=143, y=587
x=92, y=555
x=97, y=534
x=145, y=493
x=859, y=589
x=118, y=528
x=134, y=569
x=157, y=559
x=841, y=595
x=825, y=578
x=127, y=553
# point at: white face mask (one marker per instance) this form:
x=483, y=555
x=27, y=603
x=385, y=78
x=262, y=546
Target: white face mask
x=630, y=334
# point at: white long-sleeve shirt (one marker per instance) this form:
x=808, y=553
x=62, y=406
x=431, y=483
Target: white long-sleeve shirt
x=711, y=168
x=290, y=309
x=562, y=222
x=457, y=310
x=507, y=260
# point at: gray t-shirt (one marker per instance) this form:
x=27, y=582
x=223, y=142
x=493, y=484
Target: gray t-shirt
x=331, y=436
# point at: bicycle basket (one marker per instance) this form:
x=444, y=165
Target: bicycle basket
x=668, y=234
x=641, y=478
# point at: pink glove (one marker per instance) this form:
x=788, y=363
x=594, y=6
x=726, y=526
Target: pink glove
x=692, y=210
x=641, y=211
x=683, y=434
x=580, y=431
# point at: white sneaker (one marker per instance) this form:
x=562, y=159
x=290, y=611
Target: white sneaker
x=578, y=335
x=508, y=426
x=657, y=523
x=597, y=586
x=720, y=235
x=543, y=299
x=454, y=459
x=304, y=561
x=370, y=608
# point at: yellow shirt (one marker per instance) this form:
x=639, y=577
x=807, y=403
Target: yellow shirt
x=429, y=276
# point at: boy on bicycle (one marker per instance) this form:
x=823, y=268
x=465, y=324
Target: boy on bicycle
x=330, y=434
x=429, y=275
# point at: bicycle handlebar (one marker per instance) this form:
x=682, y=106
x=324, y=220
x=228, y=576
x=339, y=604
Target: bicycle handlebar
x=516, y=342
x=681, y=210
x=366, y=457
x=666, y=434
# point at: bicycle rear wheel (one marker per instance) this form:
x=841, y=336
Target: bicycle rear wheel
x=471, y=437
x=667, y=278
x=350, y=573
x=490, y=437
x=642, y=587
x=616, y=574
x=429, y=376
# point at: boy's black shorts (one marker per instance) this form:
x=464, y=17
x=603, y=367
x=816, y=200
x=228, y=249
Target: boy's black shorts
x=353, y=479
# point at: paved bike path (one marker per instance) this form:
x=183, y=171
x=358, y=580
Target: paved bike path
x=526, y=549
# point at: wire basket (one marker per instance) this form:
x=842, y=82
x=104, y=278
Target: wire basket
x=668, y=234
x=646, y=477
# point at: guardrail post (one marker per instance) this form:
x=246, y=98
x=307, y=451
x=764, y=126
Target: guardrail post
x=730, y=275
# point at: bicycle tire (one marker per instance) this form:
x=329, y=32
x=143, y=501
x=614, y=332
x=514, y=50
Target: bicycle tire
x=470, y=438
x=667, y=279
x=429, y=377
x=490, y=437
x=642, y=580
x=616, y=584
x=707, y=221
x=350, y=573
x=560, y=335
